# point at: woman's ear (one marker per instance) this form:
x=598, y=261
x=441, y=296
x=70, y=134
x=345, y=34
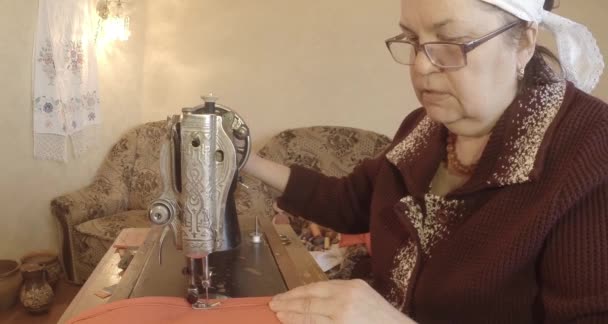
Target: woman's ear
x=527, y=44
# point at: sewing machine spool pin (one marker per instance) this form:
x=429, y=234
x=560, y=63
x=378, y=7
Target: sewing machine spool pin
x=256, y=236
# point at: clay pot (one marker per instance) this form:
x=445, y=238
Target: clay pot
x=10, y=282
x=36, y=293
x=49, y=261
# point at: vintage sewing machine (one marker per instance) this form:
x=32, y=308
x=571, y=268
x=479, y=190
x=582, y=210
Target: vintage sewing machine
x=200, y=161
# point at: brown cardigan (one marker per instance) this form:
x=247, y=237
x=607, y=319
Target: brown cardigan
x=525, y=240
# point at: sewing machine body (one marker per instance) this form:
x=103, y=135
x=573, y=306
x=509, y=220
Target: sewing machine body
x=200, y=159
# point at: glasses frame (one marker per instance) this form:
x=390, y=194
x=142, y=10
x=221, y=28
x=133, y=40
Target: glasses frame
x=465, y=48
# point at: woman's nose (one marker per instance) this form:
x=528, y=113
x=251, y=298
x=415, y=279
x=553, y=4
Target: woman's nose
x=422, y=63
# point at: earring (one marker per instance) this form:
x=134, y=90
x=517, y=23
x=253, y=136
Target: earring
x=521, y=72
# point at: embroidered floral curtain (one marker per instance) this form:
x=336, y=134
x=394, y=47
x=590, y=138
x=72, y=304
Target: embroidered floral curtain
x=65, y=79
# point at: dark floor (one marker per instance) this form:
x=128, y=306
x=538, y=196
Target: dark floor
x=64, y=293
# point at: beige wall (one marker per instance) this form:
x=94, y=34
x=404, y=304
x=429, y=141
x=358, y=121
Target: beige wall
x=279, y=63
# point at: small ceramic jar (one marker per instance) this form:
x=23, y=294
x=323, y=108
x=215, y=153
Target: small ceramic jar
x=36, y=293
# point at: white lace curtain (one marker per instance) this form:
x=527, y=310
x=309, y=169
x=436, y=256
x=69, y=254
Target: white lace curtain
x=65, y=79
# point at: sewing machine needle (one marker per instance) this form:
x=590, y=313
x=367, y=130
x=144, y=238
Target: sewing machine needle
x=207, y=293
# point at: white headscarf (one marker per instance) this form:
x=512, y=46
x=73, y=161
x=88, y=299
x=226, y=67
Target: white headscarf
x=579, y=53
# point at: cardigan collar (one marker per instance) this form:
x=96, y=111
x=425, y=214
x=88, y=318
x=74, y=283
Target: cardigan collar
x=514, y=154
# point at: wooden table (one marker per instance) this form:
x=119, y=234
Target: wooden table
x=105, y=274
x=296, y=265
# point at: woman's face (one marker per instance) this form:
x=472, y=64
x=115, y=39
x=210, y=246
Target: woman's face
x=468, y=100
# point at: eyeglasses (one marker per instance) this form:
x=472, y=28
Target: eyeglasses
x=444, y=55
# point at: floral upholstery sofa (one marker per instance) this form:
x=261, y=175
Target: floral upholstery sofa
x=129, y=180
x=334, y=151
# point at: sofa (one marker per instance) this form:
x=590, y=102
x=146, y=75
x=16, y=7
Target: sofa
x=129, y=180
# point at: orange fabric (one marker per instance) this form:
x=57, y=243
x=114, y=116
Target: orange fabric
x=157, y=310
x=352, y=239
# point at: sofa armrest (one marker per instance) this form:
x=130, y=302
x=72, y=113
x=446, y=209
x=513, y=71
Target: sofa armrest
x=101, y=198
x=97, y=200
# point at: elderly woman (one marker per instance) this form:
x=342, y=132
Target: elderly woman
x=491, y=203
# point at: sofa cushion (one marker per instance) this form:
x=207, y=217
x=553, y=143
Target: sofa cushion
x=108, y=228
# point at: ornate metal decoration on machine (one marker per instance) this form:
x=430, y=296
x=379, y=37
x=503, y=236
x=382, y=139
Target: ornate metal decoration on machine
x=205, y=148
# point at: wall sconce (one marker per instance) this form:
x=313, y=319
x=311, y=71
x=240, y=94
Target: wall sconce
x=113, y=22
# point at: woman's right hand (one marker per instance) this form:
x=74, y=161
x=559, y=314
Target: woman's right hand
x=335, y=301
x=271, y=173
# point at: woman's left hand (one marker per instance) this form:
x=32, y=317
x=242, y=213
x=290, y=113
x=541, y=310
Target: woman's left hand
x=335, y=301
